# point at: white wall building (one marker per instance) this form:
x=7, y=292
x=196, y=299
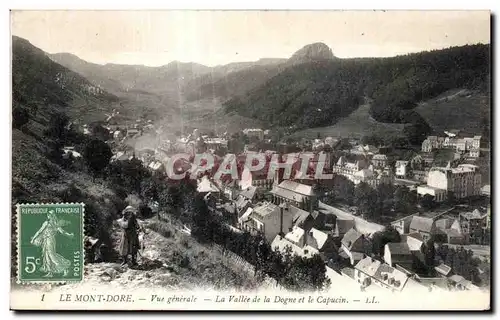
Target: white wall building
x=464, y=181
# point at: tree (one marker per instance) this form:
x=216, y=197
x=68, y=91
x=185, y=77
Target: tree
x=58, y=127
x=404, y=200
x=427, y=202
x=343, y=189
x=381, y=238
x=450, y=198
x=385, y=199
x=97, y=155
x=429, y=253
x=416, y=133
x=100, y=132
x=201, y=221
x=128, y=174
x=20, y=116
x=365, y=198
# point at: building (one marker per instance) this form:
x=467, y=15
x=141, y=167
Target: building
x=432, y=142
x=323, y=242
x=118, y=135
x=402, y=169
x=249, y=193
x=402, y=225
x=398, y=254
x=460, y=283
x=283, y=245
x=268, y=219
x=461, y=144
x=348, y=169
x=216, y=144
x=414, y=241
x=305, y=219
x=474, y=224
x=297, y=236
x=206, y=186
x=380, y=161
x=258, y=179
x=463, y=181
x=156, y=166
x=372, y=177
x=296, y=194
x=443, y=270
x=439, y=195
x=369, y=271
x=341, y=227
x=257, y=133
x=423, y=225
x=352, y=246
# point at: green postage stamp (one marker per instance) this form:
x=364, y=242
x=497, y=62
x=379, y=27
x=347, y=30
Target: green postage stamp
x=50, y=242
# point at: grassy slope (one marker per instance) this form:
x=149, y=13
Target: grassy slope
x=359, y=123
x=457, y=112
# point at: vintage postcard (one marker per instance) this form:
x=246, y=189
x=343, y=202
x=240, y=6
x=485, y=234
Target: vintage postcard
x=251, y=160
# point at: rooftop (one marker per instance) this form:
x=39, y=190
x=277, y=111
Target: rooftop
x=297, y=187
x=295, y=235
x=319, y=236
x=299, y=215
x=400, y=248
x=343, y=225
x=245, y=215
x=476, y=214
x=249, y=192
x=205, y=185
x=443, y=269
x=263, y=209
x=350, y=238
x=368, y=266
x=422, y=224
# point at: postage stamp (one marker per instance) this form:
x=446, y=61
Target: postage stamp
x=50, y=242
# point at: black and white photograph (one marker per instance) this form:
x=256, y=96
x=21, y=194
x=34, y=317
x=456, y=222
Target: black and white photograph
x=251, y=160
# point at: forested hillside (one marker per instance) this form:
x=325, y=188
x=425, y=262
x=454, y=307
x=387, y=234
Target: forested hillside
x=400, y=83
x=39, y=82
x=320, y=93
x=306, y=95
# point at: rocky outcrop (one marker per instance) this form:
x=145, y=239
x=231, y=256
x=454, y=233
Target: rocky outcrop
x=313, y=52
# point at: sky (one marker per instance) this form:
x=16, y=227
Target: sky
x=219, y=37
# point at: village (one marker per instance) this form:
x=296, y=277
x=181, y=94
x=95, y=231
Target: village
x=435, y=207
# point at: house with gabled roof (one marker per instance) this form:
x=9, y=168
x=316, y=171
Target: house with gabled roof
x=342, y=226
x=283, y=245
x=423, y=225
x=402, y=225
x=249, y=192
x=415, y=241
x=398, y=254
x=370, y=271
x=323, y=242
x=460, y=283
x=443, y=270
x=269, y=220
x=352, y=246
x=297, y=194
x=296, y=236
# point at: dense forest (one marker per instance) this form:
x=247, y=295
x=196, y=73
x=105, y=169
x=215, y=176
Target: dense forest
x=399, y=83
x=307, y=95
x=319, y=93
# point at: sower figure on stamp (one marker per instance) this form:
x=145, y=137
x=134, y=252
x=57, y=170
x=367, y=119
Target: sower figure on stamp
x=45, y=237
x=129, y=245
